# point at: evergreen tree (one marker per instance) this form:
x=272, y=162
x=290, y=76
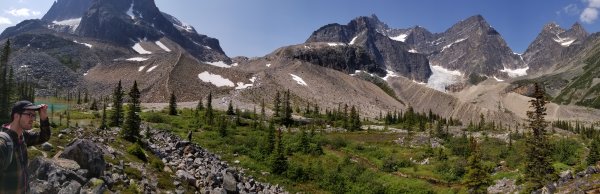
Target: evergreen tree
x=304, y=142
x=354, y=120
x=85, y=97
x=276, y=105
x=5, y=84
x=270, y=138
x=94, y=105
x=117, y=112
x=222, y=126
x=103, y=124
x=230, y=109
x=278, y=160
x=594, y=154
x=200, y=105
x=131, y=130
x=208, y=115
x=262, y=110
x=538, y=167
x=287, y=110
x=78, y=97
x=477, y=179
x=238, y=119
x=173, y=104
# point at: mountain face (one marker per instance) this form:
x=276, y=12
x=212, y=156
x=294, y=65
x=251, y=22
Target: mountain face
x=471, y=46
x=370, y=34
x=67, y=9
x=552, y=44
x=127, y=22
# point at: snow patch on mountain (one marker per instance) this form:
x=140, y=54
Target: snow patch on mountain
x=139, y=49
x=219, y=64
x=130, y=11
x=268, y=64
x=162, y=46
x=151, y=68
x=241, y=85
x=83, y=43
x=141, y=68
x=497, y=79
x=442, y=77
x=413, y=51
x=298, y=80
x=515, y=72
x=137, y=59
x=389, y=74
x=455, y=42
x=564, y=42
x=401, y=37
x=215, y=79
x=336, y=44
x=73, y=23
x=353, y=40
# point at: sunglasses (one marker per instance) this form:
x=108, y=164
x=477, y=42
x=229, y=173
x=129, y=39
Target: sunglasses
x=31, y=115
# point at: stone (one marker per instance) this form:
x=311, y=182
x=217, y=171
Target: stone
x=230, y=183
x=87, y=154
x=47, y=146
x=83, y=173
x=183, y=175
x=60, y=136
x=95, y=186
x=40, y=186
x=72, y=188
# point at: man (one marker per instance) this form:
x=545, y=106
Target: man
x=14, y=139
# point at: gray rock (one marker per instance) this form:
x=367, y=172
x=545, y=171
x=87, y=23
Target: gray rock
x=230, y=183
x=83, y=173
x=47, y=146
x=94, y=186
x=183, y=175
x=40, y=186
x=87, y=154
x=72, y=188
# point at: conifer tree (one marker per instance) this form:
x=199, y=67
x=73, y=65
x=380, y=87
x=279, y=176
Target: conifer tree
x=477, y=179
x=304, y=142
x=262, y=110
x=594, y=154
x=78, y=97
x=538, y=167
x=270, y=138
x=173, y=104
x=278, y=160
x=94, y=105
x=200, y=105
x=131, y=130
x=209, y=111
x=354, y=119
x=117, y=112
x=287, y=110
x=230, y=109
x=5, y=84
x=222, y=126
x=276, y=105
x=103, y=124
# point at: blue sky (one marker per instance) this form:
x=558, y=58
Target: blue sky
x=258, y=27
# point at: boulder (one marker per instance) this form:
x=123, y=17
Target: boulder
x=94, y=186
x=72, y=188
x=503, y=186
x=48, y=170
x=41, y=187
x=230, y=183
x=87, y=154
x=47, y=146
x=183, y=175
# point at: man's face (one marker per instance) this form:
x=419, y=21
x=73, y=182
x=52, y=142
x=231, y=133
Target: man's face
x=26, y=119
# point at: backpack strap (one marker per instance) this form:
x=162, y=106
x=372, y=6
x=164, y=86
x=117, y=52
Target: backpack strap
x=6, y=151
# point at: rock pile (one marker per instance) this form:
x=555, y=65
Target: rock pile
x=202, y=169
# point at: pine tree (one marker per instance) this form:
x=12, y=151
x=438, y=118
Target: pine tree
x=287, y=110
x=276, y=105
x=131, y=130
x=278, y=160
x=222, y=126
x=200, y=105
x=173, y=104
x=538, y=169
x=94, y=105
x=354, y=120
x=304, y=142
x=477, y=179
x=78, y=97
x=230, y=108
x=270, y=138
x=5, y=86
x=117, y=113
x=208, y=115
x=85, y=97
x=103, y=124
x=594, y=154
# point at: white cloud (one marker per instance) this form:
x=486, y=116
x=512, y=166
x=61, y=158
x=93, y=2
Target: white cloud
x=23, y=12
x=589, y=15
x=4, y=20
x=571, y=9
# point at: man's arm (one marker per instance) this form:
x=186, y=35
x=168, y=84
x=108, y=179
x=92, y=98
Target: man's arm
x=37, y=138
x=6, y=151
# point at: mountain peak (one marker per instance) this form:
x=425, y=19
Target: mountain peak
x=67, y=9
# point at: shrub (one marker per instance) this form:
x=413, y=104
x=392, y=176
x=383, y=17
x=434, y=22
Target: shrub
x=155, y=117
x=157, y=164
x=137, y=151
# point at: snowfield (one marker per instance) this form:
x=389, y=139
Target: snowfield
x=564, y=42
x=442, y=77
x=141, y=68
x=162, y=46
x=336, y=44
x=388, y=75
x=151, y=68
x=139, y=49
x=218, y=64
x=401, y=37
x=515, y=72
x=457, y=41
x=215, y=79
x=83, y=43
x=353, y=40
x=241, y=85
x=137, y=59
x=298, y=80
x=73, y=23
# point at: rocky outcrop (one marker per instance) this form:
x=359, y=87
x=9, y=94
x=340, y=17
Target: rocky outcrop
x=202, y=169
x=371, y=35
x=67, y=9
x=88, y=155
